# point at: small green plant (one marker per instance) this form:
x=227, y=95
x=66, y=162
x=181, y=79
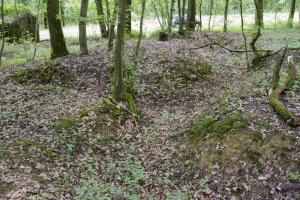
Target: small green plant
x=295, y=177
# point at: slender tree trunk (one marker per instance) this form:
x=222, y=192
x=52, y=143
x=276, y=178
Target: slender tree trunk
x=243, y=32
x=112, y=26
x=259, y=13
x=226, y=16
x=181, y=16
x=200, y=16
x=137, y=48
x=101, y=18
x=210, y=13
x=57, y=40
x=36, y=39
x=292, y=13
x=3, y=32
x=82, y=26
x=62, y=12
x=191, y=15
x=171, y=17
x=119, y=88
x=128, y=17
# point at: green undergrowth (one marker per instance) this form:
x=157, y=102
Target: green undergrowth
x=223, y=142
x=189, y=69
x=210, y=126
x=44, y=74
x=94, y=128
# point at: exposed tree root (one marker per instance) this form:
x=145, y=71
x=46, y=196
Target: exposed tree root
x=278, y=89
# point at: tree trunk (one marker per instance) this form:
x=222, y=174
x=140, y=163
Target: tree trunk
x=57, y=40
x=243, y=32
x=181, y=10
x=138, y=44
x=191, y=15
x=277, y=89
x=101, y=18
x=112, y=26
x=119, y=88
x=200, y=16
x=259, y=13
x=210, y=13
x=226, y=16
x=62, y=12
x=128, y=17
x=171, y=17
x=82, y=26
x=3, y=34
x=292, y=13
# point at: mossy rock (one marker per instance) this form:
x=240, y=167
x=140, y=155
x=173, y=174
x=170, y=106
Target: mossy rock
x=42, y=75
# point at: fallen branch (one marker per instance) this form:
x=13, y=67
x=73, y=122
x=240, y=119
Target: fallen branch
x=277, y=89
x=290, y=187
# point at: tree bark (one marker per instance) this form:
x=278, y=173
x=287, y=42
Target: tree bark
x=181, y=10
x=292, y=13
x=138, y=44
x=244, y=35
x=101, y=18
x=171, y=17
x=3, y=34
x=226, y=16
x=112, y=23
x=82, y=26
x=200, y=16
x=259, y=13
x=210, y=13
x=278, y=89
x=128, y=17
x=57, y=40
x=119, y=88
x=191, y=23
x=62, y=12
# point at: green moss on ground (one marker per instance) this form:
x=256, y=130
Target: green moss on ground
x=41, y=75
x=209, y=126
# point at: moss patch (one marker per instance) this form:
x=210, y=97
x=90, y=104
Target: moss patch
x=42, y=75
x=209, y=126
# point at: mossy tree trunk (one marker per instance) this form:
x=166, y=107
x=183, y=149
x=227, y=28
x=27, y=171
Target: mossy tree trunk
x=82, y=26
x=181, y=11
x=278, y=89
x=291, y=13
x=171, y=17
x=112, y=22
x=128, y=17
x=57, y=40
x=138, y=44
x=191, y=18
x=226, y=15
x=62, y=12
x=3, y=28
x=211, y=6
x=259, y=13
x=119, y=87
x=101, y=18
x=244, y=35
x=200, y=16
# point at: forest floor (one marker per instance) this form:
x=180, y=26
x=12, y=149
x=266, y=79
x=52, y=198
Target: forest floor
x=205, y=130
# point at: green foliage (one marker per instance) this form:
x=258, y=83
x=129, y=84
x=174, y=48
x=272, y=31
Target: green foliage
x=133, y=178
x=294, y=177
x=209, y=126
x=9, y=9
x=256, y=137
